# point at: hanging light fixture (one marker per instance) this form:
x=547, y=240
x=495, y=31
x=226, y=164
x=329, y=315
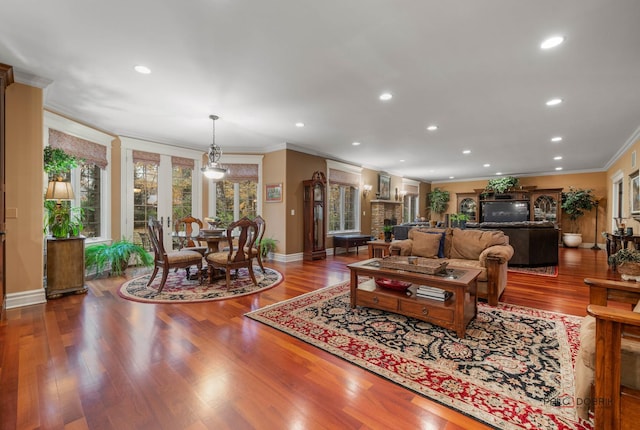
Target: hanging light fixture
x=213, y=170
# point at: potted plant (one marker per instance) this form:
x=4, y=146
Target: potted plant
x=57, y=162
x=627, y=263
x=387, y=230
x=116, y=256
x=500, y=185
x=459, y=220
x=574, y=203
x=438, y=200
x=267, y=246
x=62, y=220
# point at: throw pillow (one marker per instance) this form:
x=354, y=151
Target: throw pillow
x=441, y=247
x=425, y=245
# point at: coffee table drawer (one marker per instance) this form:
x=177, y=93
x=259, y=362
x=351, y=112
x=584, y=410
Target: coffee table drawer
x=422, y=310
x=374, y=300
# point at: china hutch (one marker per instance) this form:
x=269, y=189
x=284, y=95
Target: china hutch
x=314, y=217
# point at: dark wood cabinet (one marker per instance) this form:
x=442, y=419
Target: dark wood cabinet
x=314, y=217
x=65, y=266
x=546, y=205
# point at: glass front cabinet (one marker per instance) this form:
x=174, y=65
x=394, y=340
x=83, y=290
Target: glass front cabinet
x=546, y=205
x=468, y=205
x=314, y=217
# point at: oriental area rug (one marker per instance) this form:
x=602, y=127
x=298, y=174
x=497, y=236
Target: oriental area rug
x=180, y=289
x=514, y=368
x=551, y=271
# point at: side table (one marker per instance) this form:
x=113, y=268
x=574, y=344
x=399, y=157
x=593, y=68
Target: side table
x=378, y=248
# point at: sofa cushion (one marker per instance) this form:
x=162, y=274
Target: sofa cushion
x=469, y=244
x=425, y=244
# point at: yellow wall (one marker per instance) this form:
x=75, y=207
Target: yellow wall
x=274, y=172
x=24, y=189
x=623, y=165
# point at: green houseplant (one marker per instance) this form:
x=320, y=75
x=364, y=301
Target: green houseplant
x=459, y=220
x=627, y=263
x=116, y=256
x=387, y=230
x=267, y=245
x=438, y=200
x=500, y=185
x=62, y=220
x=574, y=203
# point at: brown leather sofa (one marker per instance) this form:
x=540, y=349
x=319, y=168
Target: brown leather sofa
x=488, y=251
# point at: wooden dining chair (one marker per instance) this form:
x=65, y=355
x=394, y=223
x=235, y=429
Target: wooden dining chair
x=190, y=242
x=238, y=256
x=182, y=259
x=262, y=225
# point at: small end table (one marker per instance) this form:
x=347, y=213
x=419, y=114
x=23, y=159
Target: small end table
x=378, y=248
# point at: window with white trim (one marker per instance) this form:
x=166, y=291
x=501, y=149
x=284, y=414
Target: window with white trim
x=410, y=207
x=343, y=202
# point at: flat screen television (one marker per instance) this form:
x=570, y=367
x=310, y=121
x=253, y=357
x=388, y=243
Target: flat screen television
x=505, y=211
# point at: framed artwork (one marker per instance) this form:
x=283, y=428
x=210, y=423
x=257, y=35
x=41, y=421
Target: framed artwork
x=273, y=193
x=384, y=187
x=635, y=192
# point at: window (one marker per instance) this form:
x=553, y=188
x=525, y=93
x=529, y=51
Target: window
x=90, y=180
x=410, y=209
x=343, y=197
x=145, y=197
x=239, y=193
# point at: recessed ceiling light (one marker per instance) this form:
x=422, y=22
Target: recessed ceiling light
x=559, y=157
x=452, y=177
x=552, y=42
x=142, y=69
x=402, y=161
x=558, y=168
x=486, y=165
x=498, y=173
x=554, y=102
x=299, y=124
x=466, y=151
x=432, y=127
x=356, y=143
x=556, y=139
x=385, y=96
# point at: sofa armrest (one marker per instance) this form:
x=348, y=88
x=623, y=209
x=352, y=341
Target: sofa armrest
x=401, y=247
x=603, y=290
x=501, y=252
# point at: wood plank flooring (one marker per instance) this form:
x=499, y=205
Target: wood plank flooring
x=100, y=362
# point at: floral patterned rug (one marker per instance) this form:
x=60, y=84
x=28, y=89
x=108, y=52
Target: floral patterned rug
x=179, y=289
x=551, y=271
x=514, y=368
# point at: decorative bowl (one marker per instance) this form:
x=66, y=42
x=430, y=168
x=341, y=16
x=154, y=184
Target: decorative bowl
x=392, y=284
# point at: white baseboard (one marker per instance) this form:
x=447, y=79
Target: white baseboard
x=26, y=298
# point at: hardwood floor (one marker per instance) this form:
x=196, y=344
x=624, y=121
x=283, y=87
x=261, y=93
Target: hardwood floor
x=100, y=362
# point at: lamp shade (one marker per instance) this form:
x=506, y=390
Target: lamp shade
x=59, y=190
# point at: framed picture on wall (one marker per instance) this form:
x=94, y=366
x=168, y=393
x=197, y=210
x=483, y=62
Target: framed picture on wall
x=384, y=186
x=634, y=178
x=273, y=193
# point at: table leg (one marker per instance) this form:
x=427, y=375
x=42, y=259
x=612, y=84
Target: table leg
x=354, y=287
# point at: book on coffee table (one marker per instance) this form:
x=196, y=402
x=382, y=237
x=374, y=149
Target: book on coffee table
x=433, y=293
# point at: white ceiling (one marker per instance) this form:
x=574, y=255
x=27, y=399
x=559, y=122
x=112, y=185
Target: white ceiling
x=472, y=67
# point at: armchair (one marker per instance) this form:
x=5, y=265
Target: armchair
x=608, y=361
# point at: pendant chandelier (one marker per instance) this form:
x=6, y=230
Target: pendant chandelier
x=213, y=170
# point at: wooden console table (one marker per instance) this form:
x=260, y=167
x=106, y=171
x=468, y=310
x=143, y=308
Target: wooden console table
x=453, y=314
x=65, y=266
x=349, y=240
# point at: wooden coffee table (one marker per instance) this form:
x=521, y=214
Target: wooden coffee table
x=453, y=314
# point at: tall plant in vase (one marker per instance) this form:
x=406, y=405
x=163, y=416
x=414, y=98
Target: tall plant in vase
x=438, y=201
x=575, y=203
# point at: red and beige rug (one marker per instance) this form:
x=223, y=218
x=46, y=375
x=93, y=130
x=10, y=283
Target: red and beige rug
x=179, y=289
x=514, y=369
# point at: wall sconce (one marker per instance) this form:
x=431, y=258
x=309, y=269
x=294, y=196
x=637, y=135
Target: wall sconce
x=365, y=190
